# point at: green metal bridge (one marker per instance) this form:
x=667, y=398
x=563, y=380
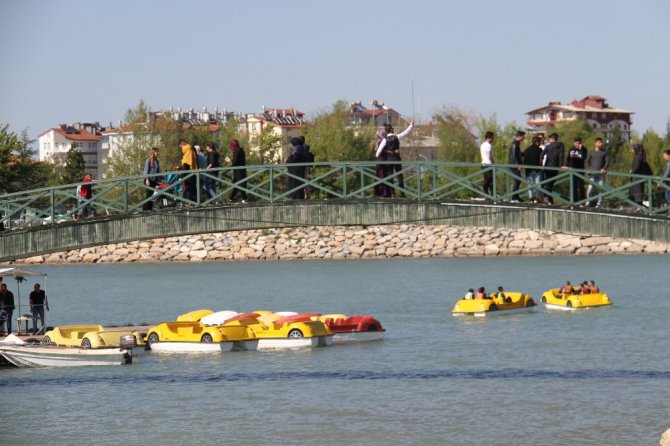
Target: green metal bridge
x=45, y=220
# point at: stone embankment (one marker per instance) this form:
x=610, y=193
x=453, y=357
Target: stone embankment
x=390, y=241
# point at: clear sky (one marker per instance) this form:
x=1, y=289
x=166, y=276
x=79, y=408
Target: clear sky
x=69, y=60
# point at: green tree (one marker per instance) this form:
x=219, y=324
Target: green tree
x=137, y=137
x=268, y=146
x=654, y=145
x=456, y=135
x=18, y=168
x=68, y=167
x=332, y=139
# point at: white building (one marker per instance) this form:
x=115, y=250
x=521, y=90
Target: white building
x=55, y=143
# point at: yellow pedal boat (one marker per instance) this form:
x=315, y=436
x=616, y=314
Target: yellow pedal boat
x=514, y=302
x=554, y=300
x=89, y=336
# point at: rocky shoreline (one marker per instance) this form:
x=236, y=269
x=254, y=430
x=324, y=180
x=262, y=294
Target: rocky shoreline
x=357, y=242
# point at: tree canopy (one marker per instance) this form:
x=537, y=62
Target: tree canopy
x=331, y=138
x=18, y=168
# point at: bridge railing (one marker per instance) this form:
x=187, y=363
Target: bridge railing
x=343, y=181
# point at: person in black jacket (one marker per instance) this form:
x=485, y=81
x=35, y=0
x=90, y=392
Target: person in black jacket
x=7, y=305
x=577, y=160
x=553, y=156
x=239, y=175
x=298, y=155
x=514, y=157
x=532, y=159
x=640, y=167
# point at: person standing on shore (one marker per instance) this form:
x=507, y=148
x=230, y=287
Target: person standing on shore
x=576, y=160
x=239, y=160
x=151, y=167
x=514, y=157
x=597, y=162
x=486, y=151
x=391, y=147
x=532, y=159
x=7, y=305
x=554, y=155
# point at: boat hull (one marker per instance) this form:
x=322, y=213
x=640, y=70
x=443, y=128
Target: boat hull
x=288, y=343
x=358, y=336
x=191, y=347
x=495, y=312
x=38, y=356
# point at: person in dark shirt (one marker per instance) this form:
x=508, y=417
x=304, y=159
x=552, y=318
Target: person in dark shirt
x=640, y=167
x=576, y=160
x=239, y=175
x=298, y=155
x=532, y=159
x=38, y=302
x=213, y=162
x=553, y=155
x=666, y=175
x=515, y=158
x=7, y=305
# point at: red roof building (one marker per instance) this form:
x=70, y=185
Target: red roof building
x=593, y=109
x=55, y=142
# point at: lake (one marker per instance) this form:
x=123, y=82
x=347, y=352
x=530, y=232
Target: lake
x=591, y=377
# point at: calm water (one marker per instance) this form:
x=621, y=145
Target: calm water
x=591, y=378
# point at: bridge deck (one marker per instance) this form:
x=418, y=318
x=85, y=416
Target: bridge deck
x=168, y=223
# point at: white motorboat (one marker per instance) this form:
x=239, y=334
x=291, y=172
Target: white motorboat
x=30, y=355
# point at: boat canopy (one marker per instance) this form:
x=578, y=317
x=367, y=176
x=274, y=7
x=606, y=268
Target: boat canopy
x=18, y=272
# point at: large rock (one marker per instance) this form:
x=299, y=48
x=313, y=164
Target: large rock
x=665, y=438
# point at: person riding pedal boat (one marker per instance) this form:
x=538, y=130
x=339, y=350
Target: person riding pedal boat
x=501, y=295
x=567, y=289
x=470, y=294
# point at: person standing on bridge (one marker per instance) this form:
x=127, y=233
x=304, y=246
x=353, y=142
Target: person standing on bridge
x=515, y=158
x=486, y=151
x=213, y=162
x=381, y=190
x=391, y=147
x=151, y=168
x=640, y=167
x=597, y=162
x=554, y=155
x=298, y=155
x=532, y=159
x=666, y=175
x=189, y=161
x=577, y=160
x=239, y=161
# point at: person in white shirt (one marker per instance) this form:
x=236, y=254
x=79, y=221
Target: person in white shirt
x=391, y=147
x=486, y=151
